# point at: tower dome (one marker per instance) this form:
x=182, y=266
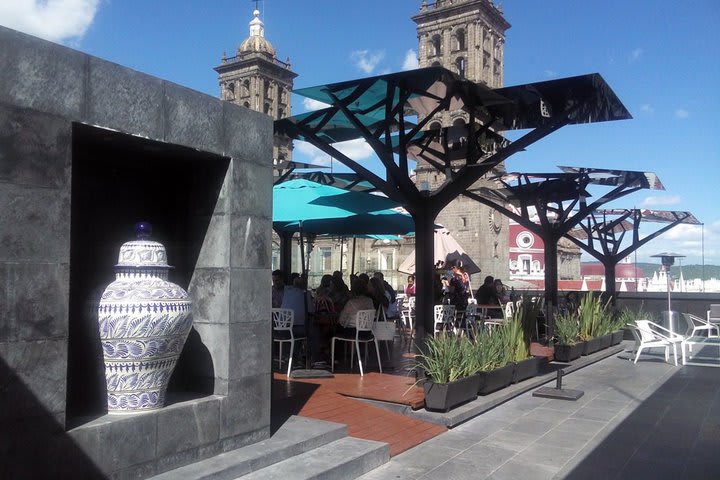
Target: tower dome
x=256, y=42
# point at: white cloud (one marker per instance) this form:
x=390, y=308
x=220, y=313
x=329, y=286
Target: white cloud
x=306, y=152
x=694, y=241
x=354, y=149
x=357, y=149
x=658, y=201
x=635, y=55
x=647, y=108
x=311, y=105
x=54, y=20
x=550, y=73
x=682, y=113
x=411, y=61
x=366, y=60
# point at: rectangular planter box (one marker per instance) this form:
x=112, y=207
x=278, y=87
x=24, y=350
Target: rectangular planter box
x=605, y=341
x=495, y=379
x=617, y=337
x=592, y=345
x=442, y=397
x=568, y=353
x=525, y=369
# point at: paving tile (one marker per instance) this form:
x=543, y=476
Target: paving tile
x=515, y=469
x=515, y=441
x=532, y=426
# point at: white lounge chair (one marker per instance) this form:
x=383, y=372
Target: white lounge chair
x=649, y=334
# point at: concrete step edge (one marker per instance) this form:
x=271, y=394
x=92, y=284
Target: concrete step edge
x=343, y=459
x=297, y=436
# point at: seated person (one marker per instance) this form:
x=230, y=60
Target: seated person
x=359, y=300
x=297, y=299
x=487, y=295
x=410, y=287
x=278, y=288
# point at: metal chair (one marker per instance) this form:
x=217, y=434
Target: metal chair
x=444, y=319
x=696, y=324
x=651, y=335
x=283, y=319
x=713, y=313
x=363, y=334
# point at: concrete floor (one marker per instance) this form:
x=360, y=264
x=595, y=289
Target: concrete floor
x=651, y=420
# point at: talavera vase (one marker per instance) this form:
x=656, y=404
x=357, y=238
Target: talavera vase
x=144, y=321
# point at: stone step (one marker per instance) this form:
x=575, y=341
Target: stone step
x=296, y=436
x=340, y=460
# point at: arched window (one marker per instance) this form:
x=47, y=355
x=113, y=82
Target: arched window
x=266, y=109
x=230, y=91
x=245, y=88
x=460, y=39
x=460, y=66
x=436, y=45
x=436, y=64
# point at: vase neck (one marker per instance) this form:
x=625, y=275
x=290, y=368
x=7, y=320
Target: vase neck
x=141, y=273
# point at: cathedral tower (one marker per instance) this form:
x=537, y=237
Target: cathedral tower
x=468, y=38
x=256, y=79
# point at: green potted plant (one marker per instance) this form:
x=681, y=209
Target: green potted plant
x=591, y=322
x=494, y=358
x=568, y=345
x=518, y=339
x=450, y=372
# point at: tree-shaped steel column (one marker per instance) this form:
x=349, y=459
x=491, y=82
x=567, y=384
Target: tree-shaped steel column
x=551, y=204
x=607, y=229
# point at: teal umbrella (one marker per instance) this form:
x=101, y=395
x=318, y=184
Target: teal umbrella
x=324, y=209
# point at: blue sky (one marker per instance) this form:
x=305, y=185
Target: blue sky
x=659, y=56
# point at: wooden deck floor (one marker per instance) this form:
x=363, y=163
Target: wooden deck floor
x=338, y=400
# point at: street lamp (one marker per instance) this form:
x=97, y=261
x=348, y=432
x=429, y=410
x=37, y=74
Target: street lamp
x=668, y=259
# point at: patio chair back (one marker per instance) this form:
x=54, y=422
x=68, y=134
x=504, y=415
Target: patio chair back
x=283, y=318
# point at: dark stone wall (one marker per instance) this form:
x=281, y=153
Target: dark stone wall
x=74, y=131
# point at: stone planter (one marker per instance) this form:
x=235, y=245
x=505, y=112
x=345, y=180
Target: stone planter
x=605, y=341
x=592, y=345
x=144, y=321
x=617, y=337
x=442, y=397
x=568, y=353
x=495, y=379
x=525, y=369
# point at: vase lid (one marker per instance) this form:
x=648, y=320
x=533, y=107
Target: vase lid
x=142, y=252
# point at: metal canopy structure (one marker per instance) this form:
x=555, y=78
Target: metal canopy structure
x=602, y=233
x=551, y=204
x=393, y=112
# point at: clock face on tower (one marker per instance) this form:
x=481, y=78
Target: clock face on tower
x=495, y=221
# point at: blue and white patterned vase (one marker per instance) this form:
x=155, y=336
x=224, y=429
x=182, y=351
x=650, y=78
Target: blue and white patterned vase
x=144, y=321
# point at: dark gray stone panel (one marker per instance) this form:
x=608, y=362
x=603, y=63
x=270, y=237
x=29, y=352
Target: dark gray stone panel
x=247, y=407
x=250, y=296
x=215, y=249
x=34, y=302
x=35, y=148
x=193, y=119
x=191, y=424
x=215, y=337
x=116, y=443
x=248, y=134
x=34, y=224
x=250, y=349
x=250, y=246
x=253, y=189
x=124, y=99
x=210, y=292
x=41, y=75
x=34, y=383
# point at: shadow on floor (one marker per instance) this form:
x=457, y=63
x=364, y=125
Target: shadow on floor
x=674, y=433
x=288, y=398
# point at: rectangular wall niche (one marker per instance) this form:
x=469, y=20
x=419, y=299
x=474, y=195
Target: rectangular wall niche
x=118, y=180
